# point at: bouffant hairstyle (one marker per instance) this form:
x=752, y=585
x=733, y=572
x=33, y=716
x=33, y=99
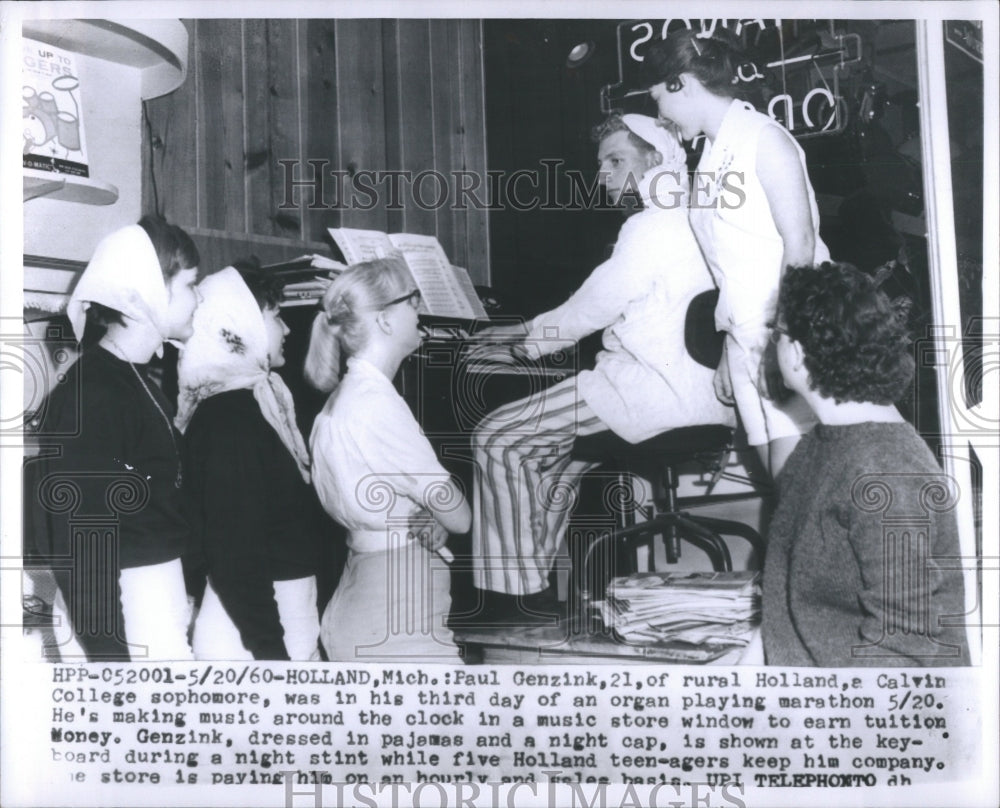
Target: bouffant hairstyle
x=714, y=60
x=854, y=338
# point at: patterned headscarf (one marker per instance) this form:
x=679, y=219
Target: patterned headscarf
x=228, y=351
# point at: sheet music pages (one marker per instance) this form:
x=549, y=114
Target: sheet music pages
x=447, y=290
x=361, y=245
x=469, y=290
x=439, y=285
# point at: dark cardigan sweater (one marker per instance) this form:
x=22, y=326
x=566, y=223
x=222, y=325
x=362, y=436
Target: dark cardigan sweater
x=107, y=465
x=862, y=554
x=256, y=520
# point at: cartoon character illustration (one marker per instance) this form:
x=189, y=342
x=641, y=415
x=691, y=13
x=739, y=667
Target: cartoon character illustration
x=46, y=125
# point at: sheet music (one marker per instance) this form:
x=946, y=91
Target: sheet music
x=466, y=285
x=361, y=245
x=433, y=273
x=447, y=290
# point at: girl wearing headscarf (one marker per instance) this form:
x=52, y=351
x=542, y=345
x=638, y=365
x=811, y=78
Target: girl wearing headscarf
x=107, y=505
x=644, y=381
x=252, y=507
x=377, y=474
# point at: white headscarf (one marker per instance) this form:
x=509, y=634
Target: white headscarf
x=125, y=275
x=228, y=351
x=670, y=177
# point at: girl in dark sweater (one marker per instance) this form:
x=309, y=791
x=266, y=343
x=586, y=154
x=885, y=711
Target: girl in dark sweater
x=252, y=508
x=104, y=497
x=862, y=556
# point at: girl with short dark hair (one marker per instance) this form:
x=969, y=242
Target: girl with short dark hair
x=862, y=563
x=753, y=212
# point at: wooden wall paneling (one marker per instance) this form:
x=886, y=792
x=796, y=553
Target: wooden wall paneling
x=320, y=111
x=444, y=101
x=410, y=144
x=473, y=126
x=219, y=248
x=211, y=135
x=170, y=149
x=361, y=119
x=257, y=108
x=391, y=58
x=366, y=95
x=285, y=66
x=234, y=127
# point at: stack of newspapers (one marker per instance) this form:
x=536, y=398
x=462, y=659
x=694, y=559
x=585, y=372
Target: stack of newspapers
x=700, y=608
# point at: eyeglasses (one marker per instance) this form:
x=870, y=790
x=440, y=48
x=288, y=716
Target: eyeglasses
x=413, y=298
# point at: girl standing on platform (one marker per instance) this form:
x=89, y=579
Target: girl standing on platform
x=377, y=474
x=251, y=503
x=753, y=212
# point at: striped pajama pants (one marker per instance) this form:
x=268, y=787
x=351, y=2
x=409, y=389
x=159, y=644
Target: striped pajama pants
x=526, y=483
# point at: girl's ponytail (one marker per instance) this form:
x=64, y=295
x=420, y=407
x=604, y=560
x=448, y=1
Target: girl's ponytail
x=322, y=366
x=338, y=329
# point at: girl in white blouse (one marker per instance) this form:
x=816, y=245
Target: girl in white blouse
x=377, y=474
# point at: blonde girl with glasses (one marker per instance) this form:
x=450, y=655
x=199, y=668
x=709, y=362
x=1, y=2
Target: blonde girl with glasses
x=377, y=474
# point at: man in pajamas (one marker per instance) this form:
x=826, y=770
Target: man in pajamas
x=643, y=383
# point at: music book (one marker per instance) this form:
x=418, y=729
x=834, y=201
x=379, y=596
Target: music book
x=305, y=278
x=313, y=261
x=446, y=290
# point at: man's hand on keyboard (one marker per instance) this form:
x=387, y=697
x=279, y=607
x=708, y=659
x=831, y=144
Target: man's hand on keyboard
x=514, y=332
x=502, y=353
